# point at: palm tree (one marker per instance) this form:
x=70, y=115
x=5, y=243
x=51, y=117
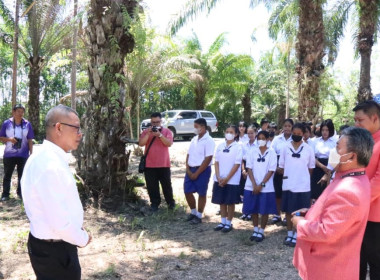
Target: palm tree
x=103, y=160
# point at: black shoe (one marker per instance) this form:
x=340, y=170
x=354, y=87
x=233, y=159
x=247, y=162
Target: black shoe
x=287, y=240
x=248, y=218
x=196, y=220
x=5, y=198
x=293, y=242
x=276, y=219
x=227, y=228
x=154, y=208
x=171, y=206
x=284, y=222
x=243, y=217
x=253, y=236
x=219, y=227
x=260, y=237
x=190, y=217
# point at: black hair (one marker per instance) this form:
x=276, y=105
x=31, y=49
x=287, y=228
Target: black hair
x=256, y=125
x=343, y=127
x=245, y=125
x=252, y=127
x=308, y=128
x=329, y=124
x=201, y=121
x=263, y=132
x=369, y=108
x=263, y=121
x=289, y=121
x=156, y=115
x=299, y=126
x=360, y=142
x=236, y=129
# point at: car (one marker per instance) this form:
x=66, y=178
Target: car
x=181, y=122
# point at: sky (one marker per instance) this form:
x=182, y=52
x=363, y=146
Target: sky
x=239, y=21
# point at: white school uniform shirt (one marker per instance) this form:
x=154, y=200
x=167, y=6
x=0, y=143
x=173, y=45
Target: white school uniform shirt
x=322, y=148
x=278, y=142
x=200, y=149
x=296, y=170
x=244, y=139
x=261, y=168
x=227, y=160
x=51, y=196
x=247, y=147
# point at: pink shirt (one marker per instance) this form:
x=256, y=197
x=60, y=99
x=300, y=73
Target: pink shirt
x=330, y=237
x=158, y=155
x=373, y=173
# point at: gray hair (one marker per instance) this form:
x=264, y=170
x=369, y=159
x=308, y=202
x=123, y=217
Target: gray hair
x=360, y=142
x=56, y=113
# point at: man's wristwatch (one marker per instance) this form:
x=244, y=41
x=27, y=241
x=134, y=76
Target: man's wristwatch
x=263, y=185
x=160, y=135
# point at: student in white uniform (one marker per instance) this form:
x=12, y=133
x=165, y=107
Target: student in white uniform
x=198, y=170
x=297, y=162
x=307, y=135
x=247, y=148
x=226, y=191
x=259, y=195
x=243, y=137
x=322, y=147
x=277, y=144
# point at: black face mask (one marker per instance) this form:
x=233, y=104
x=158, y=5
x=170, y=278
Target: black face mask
x=296, y=138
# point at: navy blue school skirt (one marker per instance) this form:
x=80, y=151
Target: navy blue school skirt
x=262, y=203
x=200, y=185
x=229, y=194
x=293, y=201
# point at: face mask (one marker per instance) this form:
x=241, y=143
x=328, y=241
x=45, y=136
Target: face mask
x=197, y=131
x=334, y=158
x=229, y=136
x=261, y=143
x=296, y=138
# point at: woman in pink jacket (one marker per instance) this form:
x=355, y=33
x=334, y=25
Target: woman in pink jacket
x=331, y=233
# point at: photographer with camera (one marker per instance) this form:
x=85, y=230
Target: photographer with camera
x=157, y=141
x=17, y=134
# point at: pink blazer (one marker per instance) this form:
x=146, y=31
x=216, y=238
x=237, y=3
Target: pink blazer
x=329, y=239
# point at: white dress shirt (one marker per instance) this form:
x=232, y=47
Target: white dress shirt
x=51, y=196
x=247, y=147
x=322, y=147
x=227, y=160
x=279, y=142
x=244, y=139
x=200, y=149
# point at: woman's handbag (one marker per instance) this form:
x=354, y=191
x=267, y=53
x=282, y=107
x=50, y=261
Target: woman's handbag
x=143, y=158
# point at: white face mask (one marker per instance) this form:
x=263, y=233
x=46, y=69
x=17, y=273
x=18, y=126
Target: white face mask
x=261, y=143
x=197, y=131
x=229, y=136
x=334, y=158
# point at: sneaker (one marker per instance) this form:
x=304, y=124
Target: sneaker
x=227, y=228
x=190, y=217
x=196, y=220
x=293, y=242
x=276, y=219
x=253, y=236
x=219, y=227
x=287, y=240
x=260, y=237
x=243, y=217
x=5, y=198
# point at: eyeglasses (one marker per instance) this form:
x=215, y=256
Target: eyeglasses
x=157, y=122
x=74, y=126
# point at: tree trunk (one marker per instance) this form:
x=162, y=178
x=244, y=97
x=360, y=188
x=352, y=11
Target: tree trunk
x=34, y=94
x=105, y=161
x=200, y=96
x=247, y=106
x=368, y=10
x=74, y=60
x=309, y=48
x=15, y=55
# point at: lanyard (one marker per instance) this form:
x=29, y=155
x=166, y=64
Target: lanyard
x=353, y=174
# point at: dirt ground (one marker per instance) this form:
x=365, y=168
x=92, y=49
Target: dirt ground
x=133, y=244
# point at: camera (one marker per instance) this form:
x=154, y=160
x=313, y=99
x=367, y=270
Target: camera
x=17, y=145
x=156, y=128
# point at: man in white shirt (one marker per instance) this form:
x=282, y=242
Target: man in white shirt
x=198, y=169
x=52, y=201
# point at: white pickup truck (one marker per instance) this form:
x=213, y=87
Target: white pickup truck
x=181, y=122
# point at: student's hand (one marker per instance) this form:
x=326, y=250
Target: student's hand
x=303, y=211
x=257, y=189
x=223, y=182
x=245, y=174
x=296, y=220
x=326, y=170
x=280, y=170
x=12, y=140
x=194, y=176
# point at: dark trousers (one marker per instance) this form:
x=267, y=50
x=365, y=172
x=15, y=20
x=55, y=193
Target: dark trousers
x=153, y=178
x=370, y=252
x=54, y=260
x=9, y=165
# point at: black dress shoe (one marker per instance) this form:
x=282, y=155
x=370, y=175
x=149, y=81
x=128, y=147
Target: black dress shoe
x=219, y=227
x=171, y=206
x=227, y=228
x=196, y=220
x=190, y=217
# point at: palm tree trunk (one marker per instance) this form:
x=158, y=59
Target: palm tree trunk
x=309, y=48
x=34, y=95
x=15, y=54
x=247, y=106
x=368, y=10
x=74, y=60
x=200, y=96
x=105, y=161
